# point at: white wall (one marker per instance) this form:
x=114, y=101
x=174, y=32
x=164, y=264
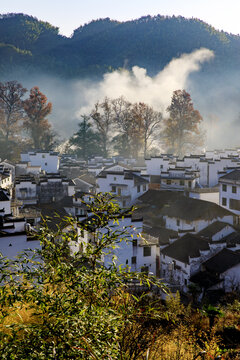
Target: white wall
x=10, y=246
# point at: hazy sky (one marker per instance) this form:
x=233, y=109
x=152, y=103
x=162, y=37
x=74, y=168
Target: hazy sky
x=70, y=14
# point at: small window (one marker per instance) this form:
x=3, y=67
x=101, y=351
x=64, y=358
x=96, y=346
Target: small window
x=169, y=182
x=178, y=222
x=147, y=251
x=182, y=182
x=134, y=259
x=43, y=156
x=138, y=188
x=114, y=178
x=161, y=166
x=144, y=187
x=189, y=184
x=119, y=191
x=224, y=187
x=234, y=189
x=224, y=201
x=134, y=242
x=114, y=189
x=45, y=164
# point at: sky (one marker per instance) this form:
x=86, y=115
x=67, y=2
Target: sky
x=70, y=14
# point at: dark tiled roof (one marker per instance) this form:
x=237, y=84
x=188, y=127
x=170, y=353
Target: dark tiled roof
x=187, y=246
x=205, y=279
x=88, y=178
x=233, y=175
x=222, y=261
x=161, y=233
x=193, y=209
x=3, y=196
x=213, y=229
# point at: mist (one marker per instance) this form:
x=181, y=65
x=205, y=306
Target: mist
x=217, y=99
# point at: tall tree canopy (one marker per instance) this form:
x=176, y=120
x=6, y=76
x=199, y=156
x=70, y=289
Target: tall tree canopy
x=182, y=133
x=102, y=115
x=11, y=113
x=36, y=124
x=85, y=140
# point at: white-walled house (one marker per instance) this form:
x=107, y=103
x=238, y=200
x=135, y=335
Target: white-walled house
x=26, y=189
x=127, y=185
x=48, y=160
x=181, y=260
x=229, y=191
x=220, y=272
x=191, y=215
x=216, y=231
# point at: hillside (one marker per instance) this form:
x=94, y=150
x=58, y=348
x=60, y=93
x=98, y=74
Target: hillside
x=102, y=45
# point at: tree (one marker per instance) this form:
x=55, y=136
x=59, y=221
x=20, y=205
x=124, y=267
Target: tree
x=102, y=115
x=36, y=124
x=136, y=124
x=146, y=123
x=181, y=132
x=85, y=140
x=75, y=307
x=11, y=113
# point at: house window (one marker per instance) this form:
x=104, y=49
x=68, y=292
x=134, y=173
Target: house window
x=169, y=182
x=144, y=187
x=234, y=189
x=189, y=184
x=119, y=191
x=224, y=201
x=185, y=282
x=182, y=182
x=147, y=251
x=43, y=156
x=45, y=164
x=134, y=242
x=234, y=204
x=114, y=178
x=138, y=188
x=178, y=222
x=114, y=189
x=134, y=259
x=161, y=166
x=224, y=187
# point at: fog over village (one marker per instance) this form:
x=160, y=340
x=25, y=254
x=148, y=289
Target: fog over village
x=119, y=190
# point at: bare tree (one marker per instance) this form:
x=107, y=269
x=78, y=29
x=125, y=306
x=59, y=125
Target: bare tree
x=102, y=115
x=11, y=106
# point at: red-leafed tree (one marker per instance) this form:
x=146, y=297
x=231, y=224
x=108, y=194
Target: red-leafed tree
x=37, y=109
x=181, y=132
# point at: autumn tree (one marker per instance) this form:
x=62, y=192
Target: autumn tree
x=11, y=114
x=36, y=124
x=85, y=141
x=146, y=123
x=136, y=124
x=102, y=116
x=123, y=125
x=182, y=131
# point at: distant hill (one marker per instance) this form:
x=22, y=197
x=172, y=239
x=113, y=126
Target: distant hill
x=28, y=44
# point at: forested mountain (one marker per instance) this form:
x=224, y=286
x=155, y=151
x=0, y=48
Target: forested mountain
x=102, y=45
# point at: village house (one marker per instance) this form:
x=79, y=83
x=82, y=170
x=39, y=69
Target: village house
x=229, y=191
x=126, y=184
x=47, y=160
x=183, y=258
x=220, y=272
